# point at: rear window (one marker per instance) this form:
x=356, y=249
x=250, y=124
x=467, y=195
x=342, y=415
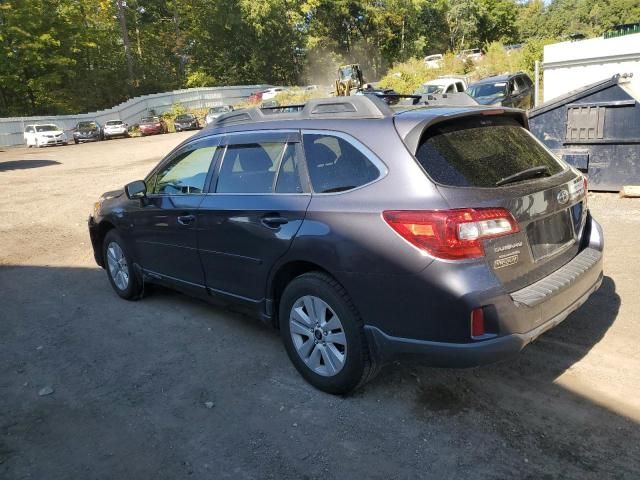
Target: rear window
x=479, y=152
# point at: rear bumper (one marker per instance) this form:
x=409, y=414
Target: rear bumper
x=151, y=130
x=519, y=317
x=462, y=355
x=122, y=133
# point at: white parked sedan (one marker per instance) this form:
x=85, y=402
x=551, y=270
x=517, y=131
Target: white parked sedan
x=40, y=135
x=271, y=93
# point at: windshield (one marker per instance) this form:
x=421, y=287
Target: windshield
x=113, y=123
x=150, y=120
x=498, y=89
x=481, y=151
x=222, y=109
x=184, y=117
x=47, y=128
x=346, y=73
x=426, y=89
x=87, y=125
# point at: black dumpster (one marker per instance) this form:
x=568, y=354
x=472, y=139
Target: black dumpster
x=597, y=130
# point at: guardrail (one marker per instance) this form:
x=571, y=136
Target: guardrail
x=11, y=129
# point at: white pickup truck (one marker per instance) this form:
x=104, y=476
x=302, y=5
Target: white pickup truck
x=448, y=84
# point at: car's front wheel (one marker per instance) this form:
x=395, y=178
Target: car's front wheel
x=119, y=267
x=324, y=335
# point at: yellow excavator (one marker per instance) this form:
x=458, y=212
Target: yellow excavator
x=350, y=80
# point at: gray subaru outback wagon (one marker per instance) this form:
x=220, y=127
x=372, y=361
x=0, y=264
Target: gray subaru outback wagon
x=363, y=232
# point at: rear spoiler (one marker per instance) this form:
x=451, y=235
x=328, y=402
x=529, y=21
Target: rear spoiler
x=412, y=124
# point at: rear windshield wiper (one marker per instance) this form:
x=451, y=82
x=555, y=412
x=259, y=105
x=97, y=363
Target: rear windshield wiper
x=541, y=171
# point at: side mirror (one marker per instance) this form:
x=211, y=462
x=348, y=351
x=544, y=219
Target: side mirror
x=136, y=190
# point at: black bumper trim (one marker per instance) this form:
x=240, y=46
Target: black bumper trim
x=562, y=278
x=461, y=355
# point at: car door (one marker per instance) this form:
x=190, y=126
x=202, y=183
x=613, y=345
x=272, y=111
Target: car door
x=528, y=91
x=29, y=135
x=257, y=203
x=164, y=226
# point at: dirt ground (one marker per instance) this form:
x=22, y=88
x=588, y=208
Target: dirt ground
x=132, y=381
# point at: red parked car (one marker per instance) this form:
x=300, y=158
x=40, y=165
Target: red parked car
x=255, y=97
x=152, y=125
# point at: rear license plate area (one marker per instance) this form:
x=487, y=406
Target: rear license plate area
x=550, y=235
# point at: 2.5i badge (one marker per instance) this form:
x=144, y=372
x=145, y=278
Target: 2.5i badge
x=505, y=261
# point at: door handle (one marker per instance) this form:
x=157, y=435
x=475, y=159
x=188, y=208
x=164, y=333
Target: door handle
x=186, y=219
x=274, y=221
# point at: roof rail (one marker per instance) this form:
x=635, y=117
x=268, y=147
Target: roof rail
x=357, y=106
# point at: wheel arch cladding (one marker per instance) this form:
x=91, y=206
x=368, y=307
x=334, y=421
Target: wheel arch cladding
x=283, y=276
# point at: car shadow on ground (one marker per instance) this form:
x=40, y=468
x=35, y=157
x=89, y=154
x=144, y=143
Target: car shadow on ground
x=525, y=400
x=154, y=362
x=25, y=164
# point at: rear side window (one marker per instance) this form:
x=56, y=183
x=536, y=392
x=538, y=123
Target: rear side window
x=335, y=165
x=481, y=151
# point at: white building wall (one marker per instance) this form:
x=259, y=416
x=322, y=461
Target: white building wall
x=572, y=65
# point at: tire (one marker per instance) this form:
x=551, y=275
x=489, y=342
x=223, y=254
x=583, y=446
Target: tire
x=337, y=367
x=37, y=145
x=129, y=288
x=76, y=142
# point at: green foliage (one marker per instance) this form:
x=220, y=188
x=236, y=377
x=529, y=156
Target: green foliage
x=297, y=96
x=198, y=78
x=72, y=56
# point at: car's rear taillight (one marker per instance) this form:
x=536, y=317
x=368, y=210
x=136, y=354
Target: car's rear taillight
x=451, y=234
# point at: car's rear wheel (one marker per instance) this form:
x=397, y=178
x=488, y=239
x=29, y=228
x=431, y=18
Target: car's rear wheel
x=324, y=335
x=119, y=267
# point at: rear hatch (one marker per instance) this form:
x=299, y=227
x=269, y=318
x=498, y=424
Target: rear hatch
x=484, y=161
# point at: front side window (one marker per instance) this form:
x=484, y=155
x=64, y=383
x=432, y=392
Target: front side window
x=184, y=175
x=480, y=151
x=336, y=165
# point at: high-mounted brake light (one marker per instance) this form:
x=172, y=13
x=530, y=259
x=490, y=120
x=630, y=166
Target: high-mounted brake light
x=451, y=234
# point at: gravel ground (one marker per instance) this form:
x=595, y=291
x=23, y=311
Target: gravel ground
x=170, y=387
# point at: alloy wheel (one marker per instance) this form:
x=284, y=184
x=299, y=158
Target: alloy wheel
x=118, y=267
x=318, y=335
